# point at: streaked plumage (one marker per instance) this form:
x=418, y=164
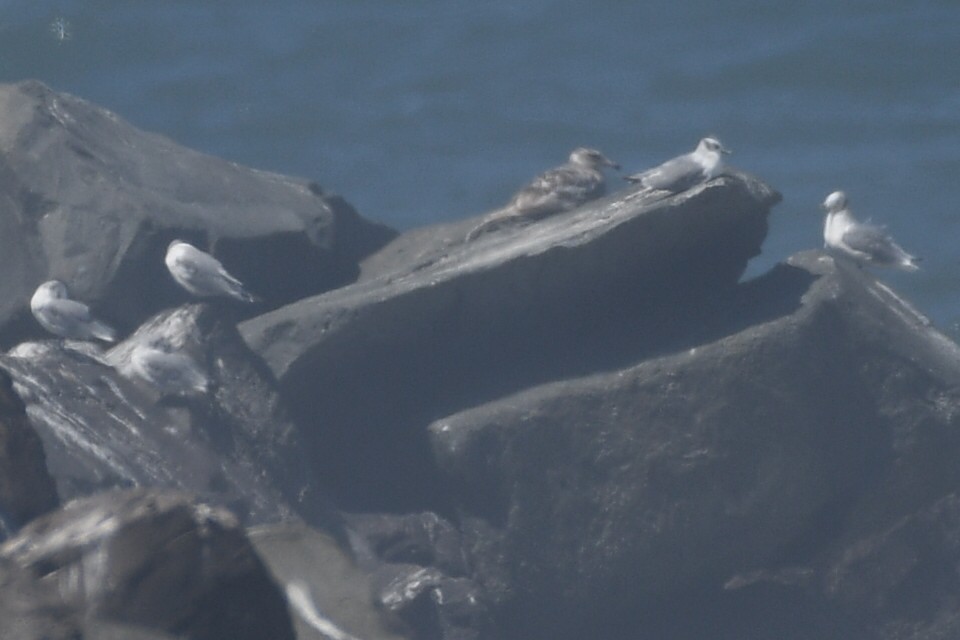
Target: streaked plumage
x=170, y=372
x=686, y=171
x=61, y=316
x=201, y=274
x=865, y=243
x=563, y=188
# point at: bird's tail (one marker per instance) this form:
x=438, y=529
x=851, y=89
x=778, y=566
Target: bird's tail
x=246, y=296
x=491, y=221
x=238, y=291
x=103, y=331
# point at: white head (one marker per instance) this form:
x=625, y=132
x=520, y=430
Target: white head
x=836, y=201
x=711, y=146
x=174, y=244
x=53, y=289
x=591, y=158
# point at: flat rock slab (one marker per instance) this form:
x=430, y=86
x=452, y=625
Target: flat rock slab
x=438, y=324
x=620, y=490
x=89, y=199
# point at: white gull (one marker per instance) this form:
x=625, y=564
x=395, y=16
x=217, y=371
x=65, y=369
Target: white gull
x=57, y=313
x=865, y=243
x=201, y=274
x=686, y=171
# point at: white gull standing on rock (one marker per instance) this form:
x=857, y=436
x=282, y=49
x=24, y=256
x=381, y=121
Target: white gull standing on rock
x=865, y=243
x=61, y=316
x=201, y=274
x=562, y=188
x=686, y=171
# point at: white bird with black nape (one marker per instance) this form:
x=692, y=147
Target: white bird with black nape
x=686, y=171
x=57, y=313
x=201, y=274
x=864, y=243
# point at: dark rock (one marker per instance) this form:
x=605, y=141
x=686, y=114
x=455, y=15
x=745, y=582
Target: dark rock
x=904, y=577
x=232, y=446
x=437, y=325
x=423, y=539
x=325, y=586
x=436, y=605
x=161, y=561
x=821, y=407
x=90, y=200
x=26, y=488
x=31, y=609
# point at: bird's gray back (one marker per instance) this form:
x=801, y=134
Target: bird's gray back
x=674, y=175
x=873, y=241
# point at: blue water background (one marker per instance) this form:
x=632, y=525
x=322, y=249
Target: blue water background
x=426, y=110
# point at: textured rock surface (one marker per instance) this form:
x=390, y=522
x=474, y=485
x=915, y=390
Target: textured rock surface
x=88, y=199
x=421, y=578
x=329, y=591
x=232, y=445
x=448, y=327
x=160, y=561
x=26, y=488
x=770, y=447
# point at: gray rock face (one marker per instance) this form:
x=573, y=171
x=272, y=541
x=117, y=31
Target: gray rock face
x=330, y=593
x=90, y=200
x=446, y=326
x=26, y=489
x=159, y=561
x=767, y=447
x=232, y=445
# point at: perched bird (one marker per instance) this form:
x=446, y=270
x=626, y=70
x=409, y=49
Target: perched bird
x=560, y=189
x=168, y=371
x=201, y=274
x=686, y=171
x=865, y=243
x=61, y=316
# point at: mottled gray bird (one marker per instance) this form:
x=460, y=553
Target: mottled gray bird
x=170, y=372
x=686, y=171
x=865, y=243
x=201, y=274
x=562, y=188
x=57, y=313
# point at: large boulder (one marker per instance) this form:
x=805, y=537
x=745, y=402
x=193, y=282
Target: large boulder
x=437, y=324
x=822, y=410
x=156, y=561
x=104, y=427
x=87, y=198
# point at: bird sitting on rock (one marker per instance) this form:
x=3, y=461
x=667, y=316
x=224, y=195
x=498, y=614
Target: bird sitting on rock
x=864, y=243
x=201, y=274
x=562, y=188
x=686, y=171
x=167, y=370
x=57, y=313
